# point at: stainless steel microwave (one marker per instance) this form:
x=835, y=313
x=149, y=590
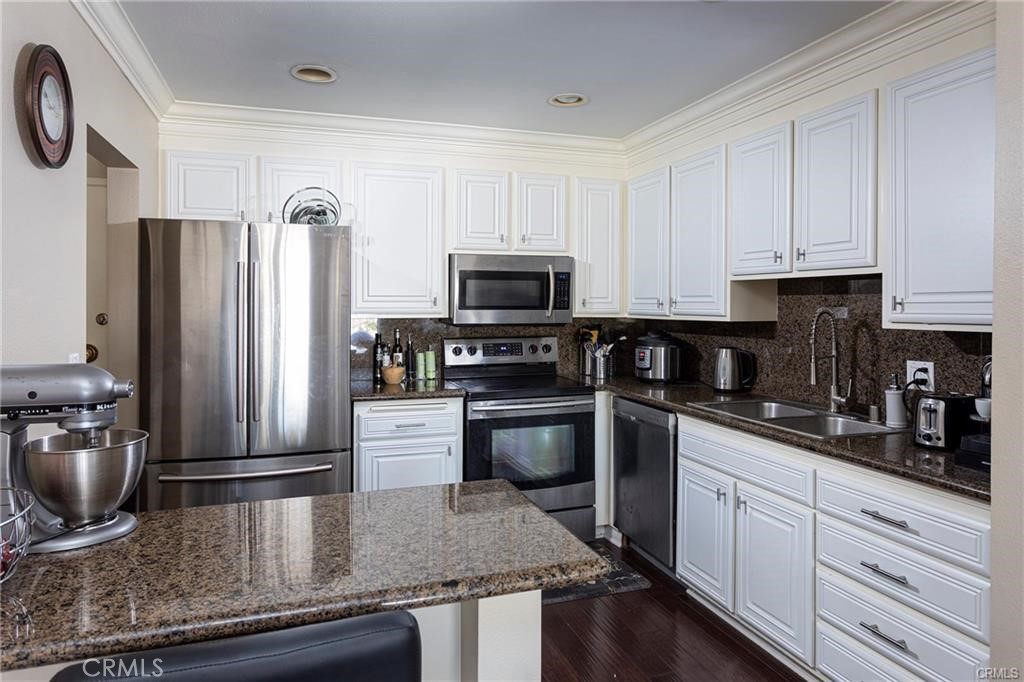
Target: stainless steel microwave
x=496, y=289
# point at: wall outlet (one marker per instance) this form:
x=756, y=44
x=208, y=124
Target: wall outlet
x=914, y=365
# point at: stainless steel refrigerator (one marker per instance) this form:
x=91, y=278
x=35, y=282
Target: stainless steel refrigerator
x=244, y=361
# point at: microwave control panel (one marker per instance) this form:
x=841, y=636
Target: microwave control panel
x=563, y=295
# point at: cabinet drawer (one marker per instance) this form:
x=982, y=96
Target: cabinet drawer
x=907, y=638
x=843, y=659
x=948, y=594
x=396, y=419
x=771, y=471
x=927, y=525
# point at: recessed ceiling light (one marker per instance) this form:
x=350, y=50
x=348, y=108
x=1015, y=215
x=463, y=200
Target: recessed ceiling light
x=314, y=73
x=568, y=99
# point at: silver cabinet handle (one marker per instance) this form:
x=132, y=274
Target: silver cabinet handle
x=551, y=289
x=240, y=343
x=241, y=215
x=434, y=301
x=523, y=239
x=878, y=516
x=246, y=475
x=502, y=238
x=673, y=302
x=740, y=502
x=776, y=257
x=719, y=494
x=449, y=447
x=270, y=217
x=419, y=425
x=901, y=579
x=660, y=303
x=257, y=338
x=900, y=644
x=897, y=302
x=583, y=303
x=801, y=254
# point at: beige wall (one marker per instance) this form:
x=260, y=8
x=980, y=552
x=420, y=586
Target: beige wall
x=43, y=231
x=1007, y=348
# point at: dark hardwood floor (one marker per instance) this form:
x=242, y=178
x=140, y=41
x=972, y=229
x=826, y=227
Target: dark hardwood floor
x=655, y=634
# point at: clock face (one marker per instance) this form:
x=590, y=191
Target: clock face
x=51, y=108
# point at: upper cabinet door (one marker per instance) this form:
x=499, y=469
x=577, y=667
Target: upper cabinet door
x=541, y=215
x=281, y=177
x=207, y=186
x=398, y=266
x=942, y=147
x=482, y=206
x=597, y=246
x=762, y=168
x=835, y=186
x=698, y=235
x=648, y=243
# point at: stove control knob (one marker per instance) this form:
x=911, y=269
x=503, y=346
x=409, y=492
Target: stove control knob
x=533, y=349
x=456, y=351
x=471, y=350
x=546, y=348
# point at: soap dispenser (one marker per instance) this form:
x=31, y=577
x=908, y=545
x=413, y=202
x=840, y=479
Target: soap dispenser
x=895, y=411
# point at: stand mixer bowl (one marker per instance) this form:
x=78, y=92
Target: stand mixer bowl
x=83, y=484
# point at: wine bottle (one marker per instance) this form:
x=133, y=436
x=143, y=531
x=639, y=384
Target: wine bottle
x=378, y=356
x=385, y=360
x=397, y=357
x=410, y=357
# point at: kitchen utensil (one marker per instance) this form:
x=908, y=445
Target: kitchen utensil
x=393, y=375
x=940, y=419
x=81, y=483
x=735, y=370
x=15, y=528
x=658, y=357
x=983, y=406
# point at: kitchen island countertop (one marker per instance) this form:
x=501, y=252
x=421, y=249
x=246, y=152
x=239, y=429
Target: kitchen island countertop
x=207, y=572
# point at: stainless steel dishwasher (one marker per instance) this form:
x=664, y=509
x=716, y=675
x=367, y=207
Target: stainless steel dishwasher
x=643, y=464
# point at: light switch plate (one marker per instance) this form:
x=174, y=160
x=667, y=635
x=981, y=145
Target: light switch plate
x=913, y=365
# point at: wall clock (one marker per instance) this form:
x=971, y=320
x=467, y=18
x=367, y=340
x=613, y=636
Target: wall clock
x=51, y=114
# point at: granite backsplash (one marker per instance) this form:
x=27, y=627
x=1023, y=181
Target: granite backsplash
x=867, y=352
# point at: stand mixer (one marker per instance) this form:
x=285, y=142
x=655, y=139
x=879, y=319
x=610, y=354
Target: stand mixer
x=79, y=477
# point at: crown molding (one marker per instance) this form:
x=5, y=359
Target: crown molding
x=197, y=119
x=888, y=34
x=115, y=32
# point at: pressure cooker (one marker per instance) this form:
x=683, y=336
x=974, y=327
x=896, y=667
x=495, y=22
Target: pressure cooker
x=658, y=357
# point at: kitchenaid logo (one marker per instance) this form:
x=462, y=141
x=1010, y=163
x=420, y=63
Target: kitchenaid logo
x=112, y=669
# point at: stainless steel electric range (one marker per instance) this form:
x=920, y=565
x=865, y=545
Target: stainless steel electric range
x=526, y=424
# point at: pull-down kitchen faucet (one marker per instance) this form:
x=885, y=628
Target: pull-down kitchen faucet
x=836, y=401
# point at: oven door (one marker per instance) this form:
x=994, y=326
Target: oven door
x=510, y=289
x=545, y=447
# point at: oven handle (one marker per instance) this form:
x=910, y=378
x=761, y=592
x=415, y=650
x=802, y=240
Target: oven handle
x=515, y=407
x=551, y=289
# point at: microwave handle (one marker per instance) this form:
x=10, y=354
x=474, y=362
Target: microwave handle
x=551, y=289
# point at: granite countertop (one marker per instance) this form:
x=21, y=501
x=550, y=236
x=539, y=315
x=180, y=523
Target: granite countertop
x=206, y=572
x=363, y=388
x=892, y=453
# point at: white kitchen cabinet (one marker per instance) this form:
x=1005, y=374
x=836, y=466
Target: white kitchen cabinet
x=481, y=210
x=648, y=243
x=761, y=168
x=398, y=266
x=942, y=184
x=834, y=213
x=598, y=217
x=697, y=236
x=775, y=569
x=401, y=464
x=704, y=532
x=541, y=212
x=280, y=177
x=400, y=443
x=208, y=186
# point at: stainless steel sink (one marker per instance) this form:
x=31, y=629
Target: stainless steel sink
x=807, y=420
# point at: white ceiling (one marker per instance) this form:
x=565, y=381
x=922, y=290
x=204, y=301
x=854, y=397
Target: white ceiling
x=487, y=63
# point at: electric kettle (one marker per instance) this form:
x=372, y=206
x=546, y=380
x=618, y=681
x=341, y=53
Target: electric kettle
x=735, y=370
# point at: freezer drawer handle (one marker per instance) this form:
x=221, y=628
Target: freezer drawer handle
x=176, y=478
x=875, y=514
x=418, y=425
x=901, y=579
x=873, y=629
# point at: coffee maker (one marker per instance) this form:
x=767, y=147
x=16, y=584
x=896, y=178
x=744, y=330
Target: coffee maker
x=80, y=477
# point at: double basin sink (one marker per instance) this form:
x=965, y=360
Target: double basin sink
x=806, y=420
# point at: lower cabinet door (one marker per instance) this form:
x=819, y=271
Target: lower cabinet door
x=704, y=527
x=383, y=466
x=775, y=569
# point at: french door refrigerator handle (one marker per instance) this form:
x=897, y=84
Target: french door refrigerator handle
x=240, y=318
x=257, y=378
x=551, y=289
